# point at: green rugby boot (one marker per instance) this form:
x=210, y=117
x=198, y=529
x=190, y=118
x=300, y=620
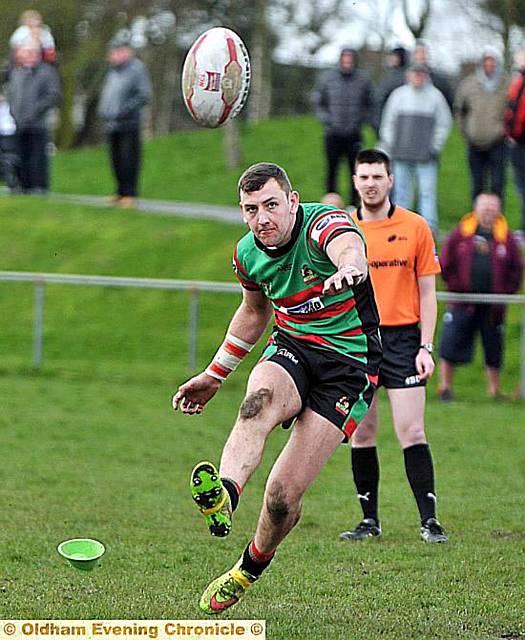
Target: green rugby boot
x=211, y=497
x=227, y=590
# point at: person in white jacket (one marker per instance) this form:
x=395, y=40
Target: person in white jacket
x=414, y=126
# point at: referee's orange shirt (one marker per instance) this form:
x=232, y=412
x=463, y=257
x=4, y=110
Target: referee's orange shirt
x=400, y=249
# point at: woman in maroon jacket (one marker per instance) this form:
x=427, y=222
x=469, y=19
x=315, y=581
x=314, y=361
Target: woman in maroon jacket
x=481, y=255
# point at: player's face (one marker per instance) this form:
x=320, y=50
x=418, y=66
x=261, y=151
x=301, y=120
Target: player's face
x=270, y=213
x=373, y=184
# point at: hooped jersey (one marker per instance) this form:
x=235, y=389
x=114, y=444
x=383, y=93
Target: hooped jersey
x=401, y=249
x=292, y=278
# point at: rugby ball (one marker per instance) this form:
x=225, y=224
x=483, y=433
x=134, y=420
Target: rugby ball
x=216, y=77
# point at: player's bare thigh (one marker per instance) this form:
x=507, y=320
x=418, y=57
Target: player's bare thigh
x=271, y=395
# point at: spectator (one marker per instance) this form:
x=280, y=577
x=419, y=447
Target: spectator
x=416, y=122
x=334, y=199
x=479, y=107
x=395, y=76
x=480, y=256
x=515, y=130
x=343, y=102
x=32, y=28
x=126, y=90
x=34, y=89
x=420, y=55
x=9, y=160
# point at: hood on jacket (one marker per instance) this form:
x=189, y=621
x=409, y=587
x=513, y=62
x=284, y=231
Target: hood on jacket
x=469, y=223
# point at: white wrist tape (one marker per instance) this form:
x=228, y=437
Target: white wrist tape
x=228, y=357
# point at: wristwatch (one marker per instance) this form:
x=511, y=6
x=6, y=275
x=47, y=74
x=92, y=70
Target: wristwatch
x=427, y=346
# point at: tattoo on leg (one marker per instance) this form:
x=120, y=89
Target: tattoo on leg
x=253, y=404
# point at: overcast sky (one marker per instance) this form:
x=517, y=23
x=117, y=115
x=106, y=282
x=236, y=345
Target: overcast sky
x=452, y=37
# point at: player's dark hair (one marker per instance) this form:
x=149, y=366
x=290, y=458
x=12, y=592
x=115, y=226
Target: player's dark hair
x=372, y=156
x=256, y=176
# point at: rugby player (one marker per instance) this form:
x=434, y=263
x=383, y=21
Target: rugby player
x=307, y=263
x=403, y=265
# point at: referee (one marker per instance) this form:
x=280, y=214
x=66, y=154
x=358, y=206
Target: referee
x=403, y=265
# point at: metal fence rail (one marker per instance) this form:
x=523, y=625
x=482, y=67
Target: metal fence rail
x=195, y=287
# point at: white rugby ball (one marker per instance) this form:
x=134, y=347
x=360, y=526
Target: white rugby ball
x=216, y=77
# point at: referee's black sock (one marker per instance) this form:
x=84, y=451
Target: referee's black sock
x=365, y=467
x=233, y=490
x=420, y=473
x=255, y=561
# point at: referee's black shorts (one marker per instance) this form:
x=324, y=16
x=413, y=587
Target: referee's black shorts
x=400, y=348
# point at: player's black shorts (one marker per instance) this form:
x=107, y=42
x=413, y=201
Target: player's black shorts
x=398, y=366
x=460, y=326
x=329, y=383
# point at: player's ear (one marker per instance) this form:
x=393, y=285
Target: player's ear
x=294, y=201
x=242, y=214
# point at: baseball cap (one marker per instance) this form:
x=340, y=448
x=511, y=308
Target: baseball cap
x=419, y=66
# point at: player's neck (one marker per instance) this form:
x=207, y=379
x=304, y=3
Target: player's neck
x=375, y=212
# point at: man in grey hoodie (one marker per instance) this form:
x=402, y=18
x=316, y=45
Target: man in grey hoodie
x=343, y=101
x=479, y=108
x=415, y=124
x=126, y=90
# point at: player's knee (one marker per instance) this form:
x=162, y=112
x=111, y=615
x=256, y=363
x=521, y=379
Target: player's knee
x=365, y=434
x=255, y=402
x=278, y=504
x=415, y=434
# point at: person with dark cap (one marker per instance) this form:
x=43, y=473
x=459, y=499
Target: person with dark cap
x=395, y=76
x=343, y=102
x=126, y=90
x=480, y=107
x=421, y=55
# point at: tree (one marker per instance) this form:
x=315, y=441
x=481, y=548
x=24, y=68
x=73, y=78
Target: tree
x=417, y=25
x=508, y=15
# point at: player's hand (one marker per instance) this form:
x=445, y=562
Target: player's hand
x=342, y=280
x=424, y=364
x=195, y=393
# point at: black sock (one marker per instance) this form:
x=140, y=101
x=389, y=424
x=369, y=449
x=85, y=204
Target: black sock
x=365, y=467
x=255, y=562
x=233, y=491
x=420, y=473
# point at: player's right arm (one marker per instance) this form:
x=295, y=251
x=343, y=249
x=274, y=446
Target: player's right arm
x=245, y=329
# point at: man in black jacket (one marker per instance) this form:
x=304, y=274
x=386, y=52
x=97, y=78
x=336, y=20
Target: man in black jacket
x=126, y=90
x=343, y=102
x=34, y=89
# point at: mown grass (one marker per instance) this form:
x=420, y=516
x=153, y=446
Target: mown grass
x=191, y=167
x=91, y=448
x=105, y=457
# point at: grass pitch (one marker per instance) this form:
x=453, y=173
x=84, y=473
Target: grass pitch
x=103, y=457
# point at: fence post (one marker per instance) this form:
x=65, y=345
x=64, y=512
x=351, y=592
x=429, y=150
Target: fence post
x=38, y=325
x=193, y=329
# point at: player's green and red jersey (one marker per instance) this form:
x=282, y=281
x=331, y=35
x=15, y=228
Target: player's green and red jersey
x=292, y=278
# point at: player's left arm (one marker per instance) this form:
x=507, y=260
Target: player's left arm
x=347, y=252
x=428, y=315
